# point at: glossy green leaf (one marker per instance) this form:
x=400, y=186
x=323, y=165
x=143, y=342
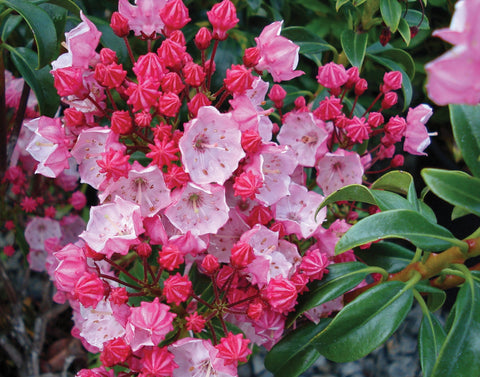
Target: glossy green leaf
x=458, y=212
x=387, y=255
x=404, y=30
x=340, y=3
x=341, y=278
x=42, y=27
x=68, y=5
x=311, y=46
x=353, y=192
x=455, y=187
x=435, y=296
x=59, y=17
x=465, y=121
x=459, y=355
x=391, y=11
x=354, y=45
x=9, y=25
x=430, y=339
x=400, y=223
x=397, y=181
x=427, y=212
x=365, y=323
x=416, y=18
x=394, y=66
x=297, y=344
x=40, y=81
x=387, y=200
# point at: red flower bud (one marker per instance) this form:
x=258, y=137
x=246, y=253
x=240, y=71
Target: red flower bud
x=119, y=25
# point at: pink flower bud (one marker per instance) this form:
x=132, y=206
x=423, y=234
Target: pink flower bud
x=111, y=75
x=169, y=104
x=78, y=200
x=195, y=322
x=223, y=17
x=353, y=77
x=389, y=100
x=203, y=38
x=177, y=289
x=119, y=25
x=375, y=119
x=251, y=141
x=210, y=264
x=332, y=75
x=251, y=57
x=172, y=82
x=89, y=290
x=385, y=36
x=174, y=15
x=242, y=255
x=198, y=100
x=360, y=87
x=108, y=56
x=391, y=81
x=247, y=185
x=143, y=250
x=277, y=95
x=397, y=161
x=69, y=81
x=114, y=352
x=193, y=74
x=121, y=122
x=239, y=79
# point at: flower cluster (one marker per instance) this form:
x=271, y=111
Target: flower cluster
x=206, y=232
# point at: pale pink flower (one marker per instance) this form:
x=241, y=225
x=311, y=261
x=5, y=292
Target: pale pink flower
x=278, y=55
x=416, y=134
x=101, y=324
x=148, y=324
x=90, y=145
x=211, y=146
x=113, y=227
x=199, y=209
x=37, y=231
x=48, y=146
x=269, y=328
x=81, y=44
x=338, y=169
x=143, y=186
x=275, y=163
x=297, y=211
x=71, y=265
x=143, y=17
x=304, y=134
x=452, y=78
x=198, y=357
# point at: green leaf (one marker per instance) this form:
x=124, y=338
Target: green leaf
x=397, y=181
x=340, y=3
x=465, y=121
x=40, y=81
x=42, y=27
x=387, y=200
x=354, y=45
x=341, y=278
x=387, y=255
x=68, y=5
x=353, y=192
x=458, y=212
x=436, y=297
x=10, y=25
x=430, y=339
x=459, y=355
x=394, y=66
x=391, y=11
x=455, y=187
x=298, y=344
x=311, y=46
x=400, y=223
x=365, y=323
x=404, y=30
x=416, y=18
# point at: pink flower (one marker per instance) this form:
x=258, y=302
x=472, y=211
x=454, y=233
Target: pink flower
x=338, y=169
x=297, y=211
x=211, y=146
x=416, y=134
x=305, y=135
x=198, y=357
x=157, y=362
x=233, y=348
x=143, y=17
x=148, y=324
x=82, y=42
x=48, y=146
x=113, y=227
x=143, y=186
x=452, y=78
x=199, y=209
x=278, y=55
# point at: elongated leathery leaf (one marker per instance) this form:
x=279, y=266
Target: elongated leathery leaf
x=397, y=181
x=365, y=323
x=399, y=223
x=388, y=255
x=341, y=278
x=391, y=13
x=460, y=352
x=455, y=187
x=466, y=129
x=430, y=339
x=282, y=358
x=354, y=45
x=42, y=27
